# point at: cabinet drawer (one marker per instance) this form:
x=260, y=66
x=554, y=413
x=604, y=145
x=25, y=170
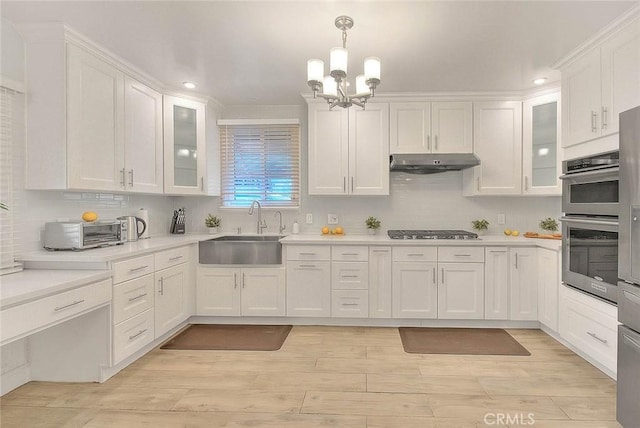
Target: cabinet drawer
x=132, y=297
x=308, y=252
x=30, y=317
x=415, y=254
x=168, y=258
x=350, y=303
x=132, y=268
x=350, y=253
x=350, y=275
x=461, y=254
x=132, y=335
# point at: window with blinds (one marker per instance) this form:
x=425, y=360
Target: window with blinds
x=260, y=161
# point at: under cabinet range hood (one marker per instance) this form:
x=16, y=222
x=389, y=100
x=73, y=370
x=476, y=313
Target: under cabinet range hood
x=430, y=163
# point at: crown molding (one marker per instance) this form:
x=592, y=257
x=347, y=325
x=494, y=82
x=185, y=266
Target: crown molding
x=596, y=40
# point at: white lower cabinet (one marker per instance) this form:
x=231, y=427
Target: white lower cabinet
x=380, y=282
x=591, y=326
x=170, y=298
x=548, y=287
x=133, y=334
x=415, y=290
x=523, y=284
x=309, y=288
x=240, y=291
x=496, y=283
x=461, y=291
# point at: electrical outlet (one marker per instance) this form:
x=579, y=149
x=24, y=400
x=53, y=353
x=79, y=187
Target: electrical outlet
x=502, y=219
x=332, y=218
x=309, y=218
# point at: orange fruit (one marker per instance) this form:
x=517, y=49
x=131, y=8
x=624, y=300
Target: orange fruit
x=325, y=230
x=339, y=230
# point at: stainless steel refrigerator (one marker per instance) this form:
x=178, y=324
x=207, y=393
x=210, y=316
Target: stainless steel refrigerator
x=628, y=402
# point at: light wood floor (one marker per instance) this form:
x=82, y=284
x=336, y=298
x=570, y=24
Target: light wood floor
x=330, y=377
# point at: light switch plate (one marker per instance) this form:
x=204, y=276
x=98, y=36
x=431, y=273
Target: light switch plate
x=309, y=218
x=502, y=219
x=332, y=218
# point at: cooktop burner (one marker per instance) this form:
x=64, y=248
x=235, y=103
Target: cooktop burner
x=431, y=234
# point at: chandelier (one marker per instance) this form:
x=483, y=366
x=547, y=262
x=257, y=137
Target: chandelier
x=333, y=88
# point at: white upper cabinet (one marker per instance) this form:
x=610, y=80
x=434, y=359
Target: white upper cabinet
x=599, y=85
x=95, y=123
x=143, y=138
x=497, y=133
x=431, y=127
x=184, y=146
x=541, y=152
x=349, y=150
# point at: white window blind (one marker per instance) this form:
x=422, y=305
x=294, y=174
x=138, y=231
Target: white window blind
x=260, y=162
x=7, y=263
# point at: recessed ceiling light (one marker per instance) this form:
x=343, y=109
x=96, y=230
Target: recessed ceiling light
x=189, y=85
x=539, y=80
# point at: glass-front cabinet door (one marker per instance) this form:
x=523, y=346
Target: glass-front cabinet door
x=184, y=146
x=541, y=158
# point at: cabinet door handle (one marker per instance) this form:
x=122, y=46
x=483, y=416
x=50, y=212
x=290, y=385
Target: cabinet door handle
x=122, y=177
x=352, y=184
x=462, y=255
x=435, y=142
x=243, y=280
x=434, y=275
x=349, y=276
x=604, y=118
x=131, y=299
x=595, y=336
x=235, y=280
x=516, y=260
x=173, y=259
x=415, y=254
x=478, y=183
x=594, y=119
x=429, y=142
x=443, y=275
x=202, y=183
x=349, y=304
x=526, y=183
x=307, y=254
x=161, y=286
x=131, y=177
x=59, y=308
x=344, y=184
x=349, y=254
x=380, y=251
x=138, y=268
x=307, y=266
x=137, y=334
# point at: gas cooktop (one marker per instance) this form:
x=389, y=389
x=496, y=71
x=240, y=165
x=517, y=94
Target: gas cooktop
x=431, y=234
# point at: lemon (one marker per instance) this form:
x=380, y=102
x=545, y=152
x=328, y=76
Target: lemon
x=515, y=233
x=507, y=232
x=325, y=230
x=339, y=230
x=89, y=216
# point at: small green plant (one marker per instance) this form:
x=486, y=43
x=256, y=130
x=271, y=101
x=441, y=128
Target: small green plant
x=212, y=221
x=4, y=206
x=549, y=224
x=480, y=224
x=373, y=223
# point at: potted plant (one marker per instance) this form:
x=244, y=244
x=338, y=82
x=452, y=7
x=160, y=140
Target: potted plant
x=213, y=223
x=373, y=224
x=480, y=225
x=549, y=224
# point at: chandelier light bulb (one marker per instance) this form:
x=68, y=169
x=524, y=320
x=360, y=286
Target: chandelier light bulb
x=372, y=68
x=361, y=85
x=329, y=86
x=338, y=60
x=315, y=70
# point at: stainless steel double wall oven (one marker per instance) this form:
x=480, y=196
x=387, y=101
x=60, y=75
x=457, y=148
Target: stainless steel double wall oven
x=590, y=202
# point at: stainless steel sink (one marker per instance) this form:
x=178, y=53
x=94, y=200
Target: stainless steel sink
x=241, y=250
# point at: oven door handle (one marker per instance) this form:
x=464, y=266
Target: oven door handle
x=589, y=221
x=605, y=172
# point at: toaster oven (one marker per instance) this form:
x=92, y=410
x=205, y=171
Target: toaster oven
x=79, y=235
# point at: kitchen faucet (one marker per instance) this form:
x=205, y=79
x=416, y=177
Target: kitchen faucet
x=281, y=227
x=259, y=224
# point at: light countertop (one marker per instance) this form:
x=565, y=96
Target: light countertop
x=32, y=284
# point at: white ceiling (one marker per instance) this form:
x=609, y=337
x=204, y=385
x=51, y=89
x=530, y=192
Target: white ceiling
x=242, y=52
